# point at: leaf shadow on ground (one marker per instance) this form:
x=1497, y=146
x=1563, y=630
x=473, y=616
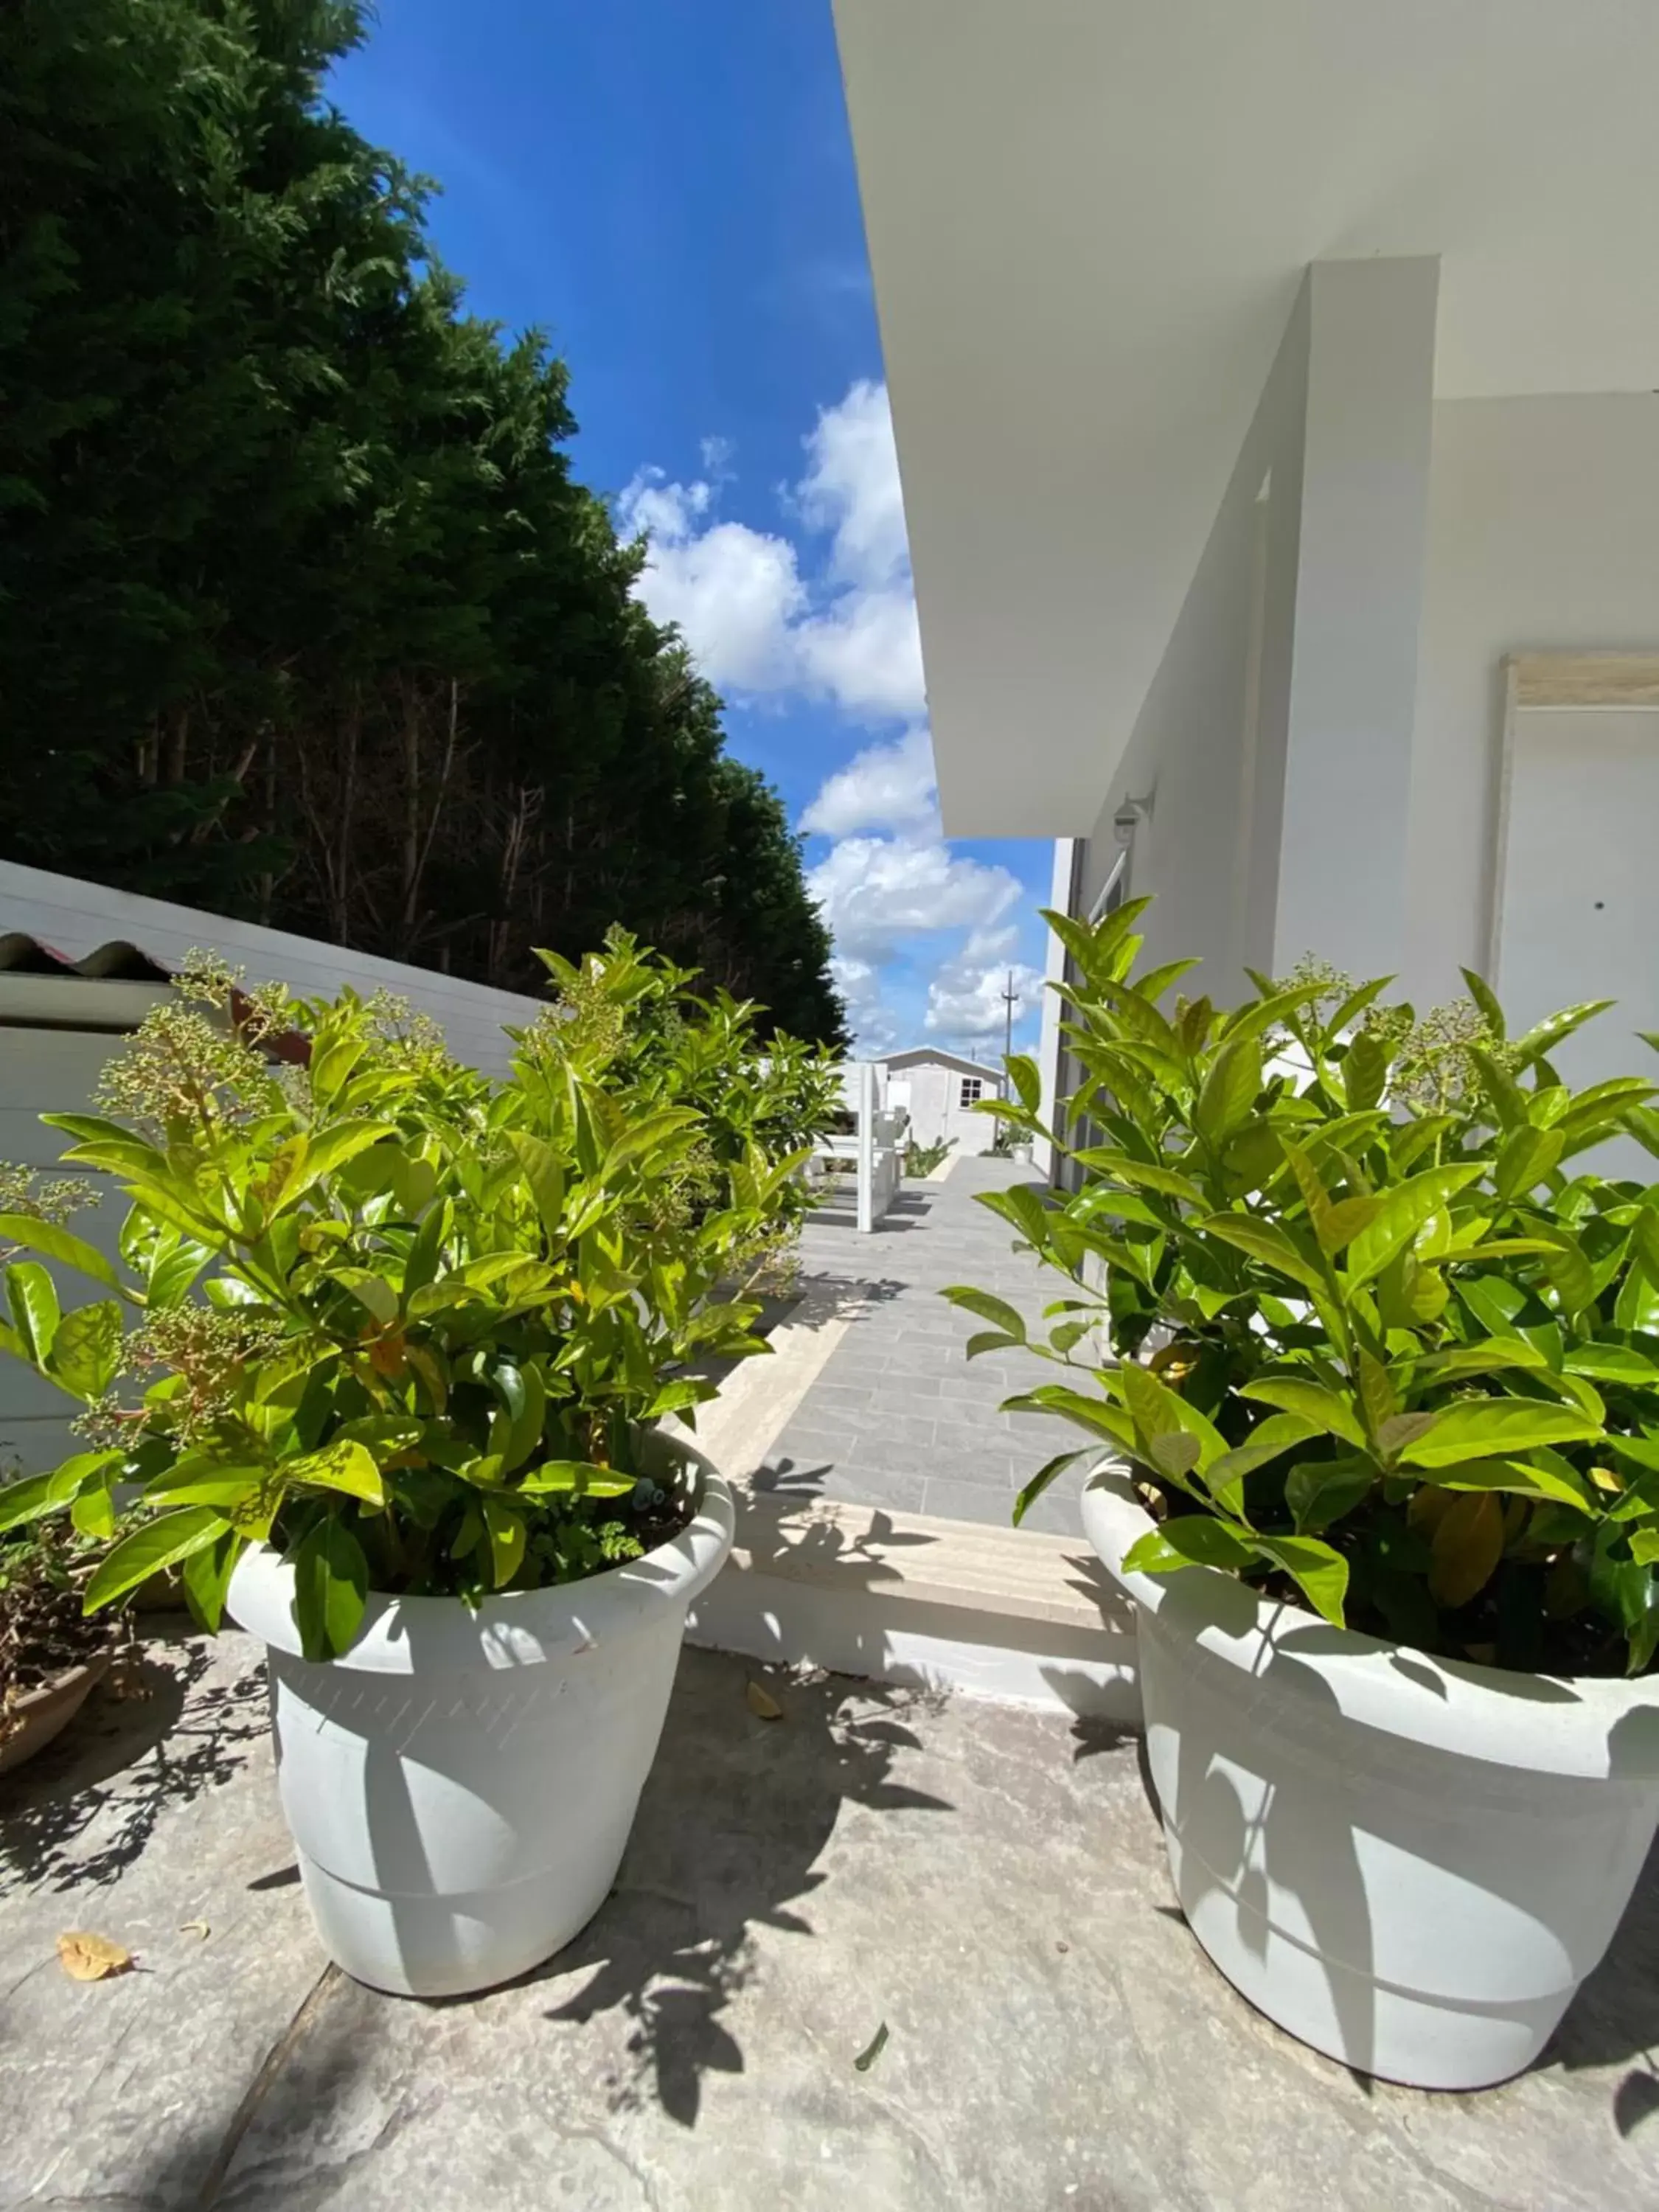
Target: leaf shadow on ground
x=731, y=1829
x=84, y=1808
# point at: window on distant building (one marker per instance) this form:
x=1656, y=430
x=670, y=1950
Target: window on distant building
x=973, y=1087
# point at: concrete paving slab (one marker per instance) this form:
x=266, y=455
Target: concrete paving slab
x=988, y=1883
x=896, y=1396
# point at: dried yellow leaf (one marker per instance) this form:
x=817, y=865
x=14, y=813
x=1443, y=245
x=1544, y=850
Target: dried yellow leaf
x=195, y=1928
x=762, y=1704
x=87, y=1958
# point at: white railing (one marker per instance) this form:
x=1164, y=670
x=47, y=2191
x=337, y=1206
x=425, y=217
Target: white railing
x=876, y=1146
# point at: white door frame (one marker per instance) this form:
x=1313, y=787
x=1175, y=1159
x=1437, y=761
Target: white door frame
x=1611, y=683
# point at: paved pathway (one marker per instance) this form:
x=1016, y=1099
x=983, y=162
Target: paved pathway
x=899, y=1416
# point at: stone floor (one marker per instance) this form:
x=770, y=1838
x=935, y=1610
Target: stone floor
x=900, y=1417
x=987, y=1883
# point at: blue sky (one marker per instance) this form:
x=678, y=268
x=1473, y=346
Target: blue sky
x=666, y=188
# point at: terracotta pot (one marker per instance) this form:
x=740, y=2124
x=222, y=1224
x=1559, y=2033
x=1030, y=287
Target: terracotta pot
x=40, y=1714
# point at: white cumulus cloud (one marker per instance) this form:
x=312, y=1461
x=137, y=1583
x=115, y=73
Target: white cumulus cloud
x=966, y=998
x=887, y=786
x=754, y=624
x=875, y=891
x=852, y=488
x=733, y=590
x=821, y=606
x=870, y=1020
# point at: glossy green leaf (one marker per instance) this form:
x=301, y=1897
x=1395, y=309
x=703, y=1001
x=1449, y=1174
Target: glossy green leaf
x=1319, y=1491
x=344, y=1466
x=1269, y=1246
x=1027, y=1081
x=27, y=1500
x=544, y=1173
x=1096, y=1414
x=1158, y=1411
x=331, y=1588
x=150, y=1547
x=998, y=1311
x=506, y=1529
x=1040, y=1481
x=53, y=1242
x=86, y=1349
x=206, y=1576
x=1143, y=1175
x=1483, y=1428
x=1527, y=1156
x=1194, y=1540
x=1364, y=1072
x=1613, y=1363
x=1517, y=1478
x=1271, y=1439
x=327, y=1150
x=1542, y=1040
x=1231, y=1089
x=1402, y=1214
x=34, y=1309
x=1310, y=1402
x=1486, y=999
x=580, y=1477
x=1320, y=1573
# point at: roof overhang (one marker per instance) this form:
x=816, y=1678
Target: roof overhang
x=1087, y=227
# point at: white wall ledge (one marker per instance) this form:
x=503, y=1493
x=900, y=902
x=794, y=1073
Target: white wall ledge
x=1004, y=1613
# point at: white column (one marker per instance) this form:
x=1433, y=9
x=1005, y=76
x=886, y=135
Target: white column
x=1061, y=894
x=1353, y=694
x=867, y=1177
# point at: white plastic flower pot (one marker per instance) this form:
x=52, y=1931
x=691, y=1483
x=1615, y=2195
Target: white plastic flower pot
x=1410, y=1864
x=460, y=1785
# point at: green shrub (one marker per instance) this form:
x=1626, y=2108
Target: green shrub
x=922, y=1159
x=405, y=1322
x=1406, y=1352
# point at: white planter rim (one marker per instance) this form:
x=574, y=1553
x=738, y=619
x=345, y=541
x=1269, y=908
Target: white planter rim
x=516, y=1628
x=1594, y=1727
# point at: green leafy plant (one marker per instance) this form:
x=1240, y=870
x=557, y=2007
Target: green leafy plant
x=407, y=1324
x=660, y=1045
x=922, y=1159
x=43, y=1628
x=1377, y=1336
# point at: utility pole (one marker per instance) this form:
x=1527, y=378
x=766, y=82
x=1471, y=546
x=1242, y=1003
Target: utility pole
x=1009, y=1000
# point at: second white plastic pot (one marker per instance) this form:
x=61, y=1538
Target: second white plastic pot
x=1408, y=1863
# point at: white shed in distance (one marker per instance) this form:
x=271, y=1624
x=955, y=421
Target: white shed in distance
x=939, y=1091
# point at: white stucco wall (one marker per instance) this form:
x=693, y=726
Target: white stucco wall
x=1278, y=727
x=1208, y=745
x=1543, y=535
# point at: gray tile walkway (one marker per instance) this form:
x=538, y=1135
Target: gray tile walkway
x=899, y=1416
